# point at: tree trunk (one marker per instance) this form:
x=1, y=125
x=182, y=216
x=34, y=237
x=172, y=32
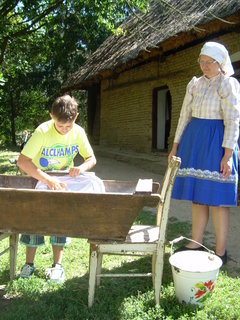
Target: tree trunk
x=13, y=112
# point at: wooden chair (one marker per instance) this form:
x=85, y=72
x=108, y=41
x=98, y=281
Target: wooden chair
x=140, y=239
x=13, y=246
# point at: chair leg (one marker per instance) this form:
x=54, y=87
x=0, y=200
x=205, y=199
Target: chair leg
x=99, y=267
x=158, y=277
x=13, y=244
x=92, y=275
x=153, y=268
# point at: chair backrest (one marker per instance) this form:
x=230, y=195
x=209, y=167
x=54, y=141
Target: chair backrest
x=166, y=191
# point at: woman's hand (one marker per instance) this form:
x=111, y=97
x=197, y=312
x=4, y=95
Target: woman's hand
x=173, y=152
x=226, y=163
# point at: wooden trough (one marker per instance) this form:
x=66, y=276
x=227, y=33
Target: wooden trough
x=108, y=215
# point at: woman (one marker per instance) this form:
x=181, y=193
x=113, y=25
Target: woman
x=206, y=141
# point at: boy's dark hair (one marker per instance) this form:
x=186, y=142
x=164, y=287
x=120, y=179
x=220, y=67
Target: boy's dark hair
x=64, y=108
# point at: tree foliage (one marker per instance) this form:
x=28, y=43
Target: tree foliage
x=41, y=43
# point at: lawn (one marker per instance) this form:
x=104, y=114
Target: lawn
x=122, y=299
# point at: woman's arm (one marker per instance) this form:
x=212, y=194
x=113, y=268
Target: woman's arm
x=186, y=110
x=230, y=106
x=173, y=152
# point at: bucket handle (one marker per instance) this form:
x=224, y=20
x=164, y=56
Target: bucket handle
x=181, y=238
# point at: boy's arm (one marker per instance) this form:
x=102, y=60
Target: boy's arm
x=87, y=165
x=26, y=165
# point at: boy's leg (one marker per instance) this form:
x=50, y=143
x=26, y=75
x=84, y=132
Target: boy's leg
x=31, y=242
x=57, y=246
x=30, y=254
x=28, y=268
x=56, y=273
x=57, y=254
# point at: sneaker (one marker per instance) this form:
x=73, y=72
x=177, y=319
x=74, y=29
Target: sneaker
x=26, y=271
x=56, y=274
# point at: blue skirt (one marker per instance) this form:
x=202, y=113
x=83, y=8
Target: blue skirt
x=199, y=178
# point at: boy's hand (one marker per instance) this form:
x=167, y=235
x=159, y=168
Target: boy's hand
x=75, y=171
x=85, y=166
x=54, y=184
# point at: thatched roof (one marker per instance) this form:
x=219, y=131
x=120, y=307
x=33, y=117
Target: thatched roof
x=164, y=29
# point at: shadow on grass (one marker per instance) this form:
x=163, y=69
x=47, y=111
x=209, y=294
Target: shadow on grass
x=69, y=301
x=115, y=298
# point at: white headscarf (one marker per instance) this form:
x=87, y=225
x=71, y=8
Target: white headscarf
x=219, y=53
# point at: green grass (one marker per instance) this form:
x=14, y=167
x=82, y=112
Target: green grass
x=5, y=157
x=120, y=299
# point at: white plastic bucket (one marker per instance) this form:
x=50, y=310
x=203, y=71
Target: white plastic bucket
x=194, y=274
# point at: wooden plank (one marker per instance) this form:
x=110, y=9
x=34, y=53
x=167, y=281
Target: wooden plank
x=26, y=182
x=18, y=182
x=92, y=216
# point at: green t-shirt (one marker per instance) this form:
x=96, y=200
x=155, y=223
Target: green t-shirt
x=50, y=150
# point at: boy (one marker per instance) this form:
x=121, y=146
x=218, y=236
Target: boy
x=53, y=146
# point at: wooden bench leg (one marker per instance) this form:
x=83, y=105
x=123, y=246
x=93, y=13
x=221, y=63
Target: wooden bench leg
x=92, y=275
x=13, y=244
x=99, y=267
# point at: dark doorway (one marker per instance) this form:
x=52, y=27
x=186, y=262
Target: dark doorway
x=161, y=118
x=93, y=122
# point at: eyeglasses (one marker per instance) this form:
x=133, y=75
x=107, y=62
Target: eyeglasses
x=207, y=63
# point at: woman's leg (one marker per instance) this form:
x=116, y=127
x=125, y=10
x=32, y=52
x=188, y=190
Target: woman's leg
x=200, y=216
x=220, y=218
